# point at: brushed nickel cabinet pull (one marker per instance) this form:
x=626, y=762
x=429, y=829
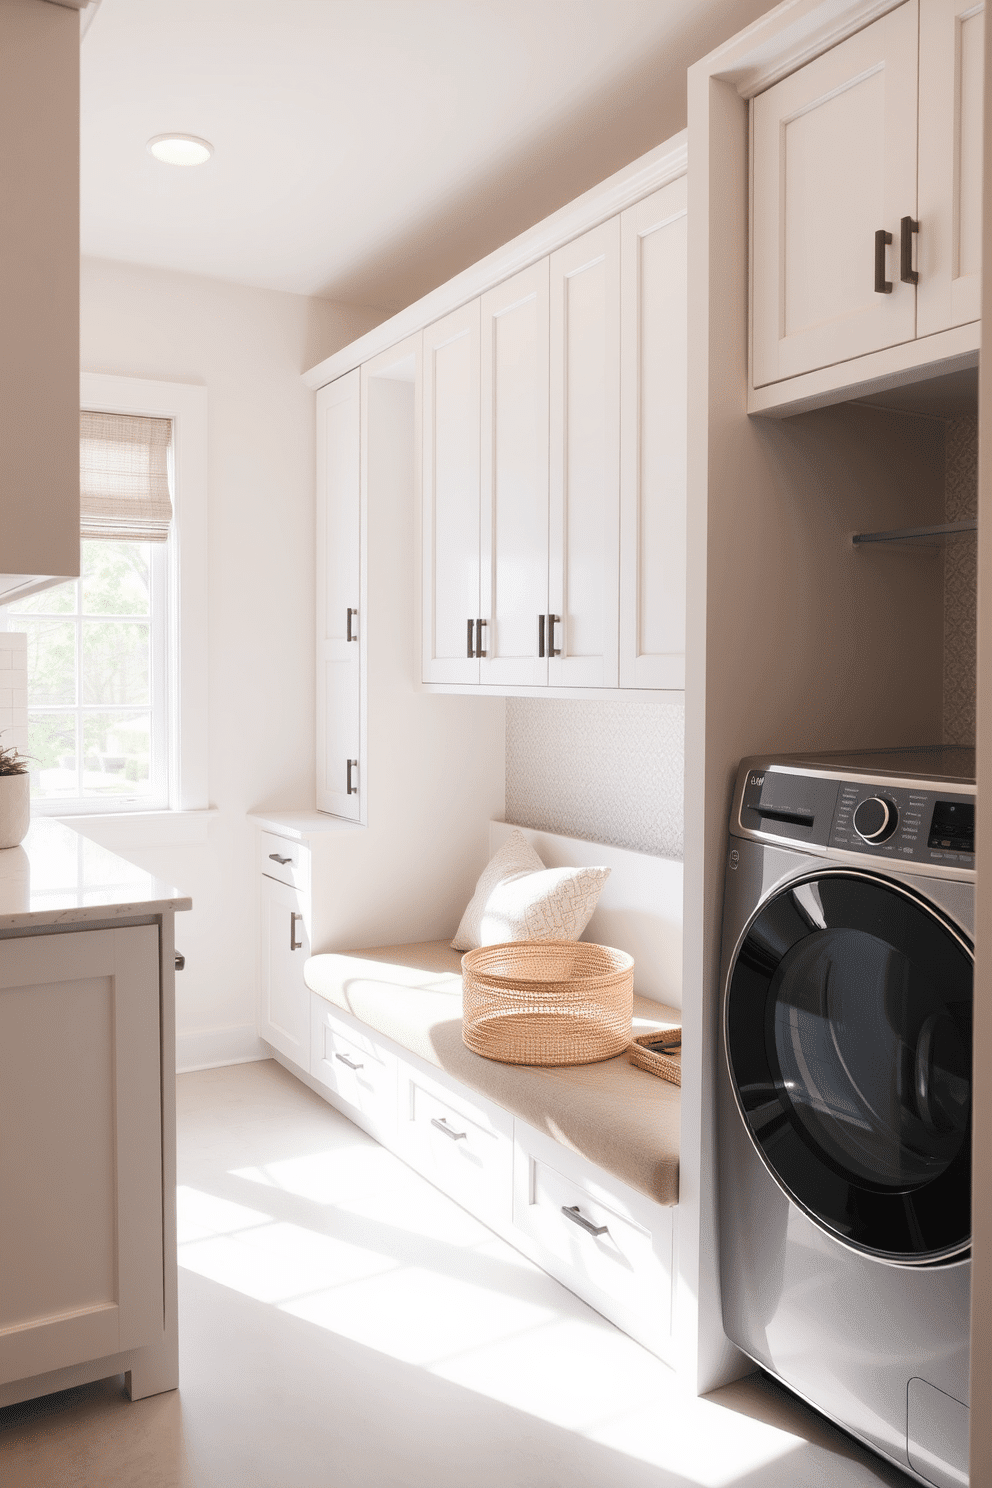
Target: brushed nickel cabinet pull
x=573, y=1214
x=553, y=620
x=448, y=1130
x=469, y=651
x=294, y=944
x=480, y=649
x=540, y=634
x=350, y=788
x=275, y=858
x=352, y=635
x=343, y=1059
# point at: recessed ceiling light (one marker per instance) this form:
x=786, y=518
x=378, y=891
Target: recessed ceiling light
x=180, y=149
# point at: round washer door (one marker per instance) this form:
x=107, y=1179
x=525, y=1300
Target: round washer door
x=848, y=1021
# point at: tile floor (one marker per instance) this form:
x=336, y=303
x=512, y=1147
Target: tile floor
x=345, y=1325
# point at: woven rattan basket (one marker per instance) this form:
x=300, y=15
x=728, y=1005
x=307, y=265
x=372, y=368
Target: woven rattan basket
x=547, y=1001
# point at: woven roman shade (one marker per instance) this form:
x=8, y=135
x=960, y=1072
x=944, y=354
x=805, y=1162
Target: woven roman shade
x=124, y=477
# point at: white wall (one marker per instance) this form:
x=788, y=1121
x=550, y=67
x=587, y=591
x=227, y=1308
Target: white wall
x=248, y=347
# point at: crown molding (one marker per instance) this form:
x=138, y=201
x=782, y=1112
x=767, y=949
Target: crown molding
x=649, y=173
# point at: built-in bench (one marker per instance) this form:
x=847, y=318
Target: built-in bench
x=576, y=1166
x=618, y=1117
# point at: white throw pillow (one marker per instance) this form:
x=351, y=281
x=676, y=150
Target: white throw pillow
x=517, y=898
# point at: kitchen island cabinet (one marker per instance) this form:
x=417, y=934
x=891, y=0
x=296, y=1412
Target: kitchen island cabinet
x=87, y=1119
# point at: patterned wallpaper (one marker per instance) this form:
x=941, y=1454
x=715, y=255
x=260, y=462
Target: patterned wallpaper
x=960, y=582
x=606, y=771
x=612, y=771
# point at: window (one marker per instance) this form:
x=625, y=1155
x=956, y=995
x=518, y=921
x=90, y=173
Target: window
x=98, y=725
x=117, y=657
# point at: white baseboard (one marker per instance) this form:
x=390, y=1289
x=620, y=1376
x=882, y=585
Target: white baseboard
x=209, y=1048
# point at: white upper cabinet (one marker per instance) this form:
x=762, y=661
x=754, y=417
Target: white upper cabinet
x=340, y=621
x=866, y=207
x=653, y=440
x=950, y=176
x=834, y=175
x=581, y=635
x=514, y=468
x=451, y=454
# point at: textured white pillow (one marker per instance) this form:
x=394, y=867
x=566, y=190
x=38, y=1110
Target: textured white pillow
x=517, y=898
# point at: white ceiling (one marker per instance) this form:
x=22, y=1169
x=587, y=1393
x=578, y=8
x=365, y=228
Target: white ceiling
x=366, y=150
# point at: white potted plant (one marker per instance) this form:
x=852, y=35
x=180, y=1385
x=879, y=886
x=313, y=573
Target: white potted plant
x=15, y=797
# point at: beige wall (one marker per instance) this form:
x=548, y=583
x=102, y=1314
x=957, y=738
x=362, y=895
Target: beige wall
x=248, y=347
x=39, y=253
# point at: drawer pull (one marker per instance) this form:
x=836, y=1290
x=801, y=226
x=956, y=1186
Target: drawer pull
x=275, y=858
x=343, y=1058
x=448, y=1131
x=583, y=1223
x=294, y=944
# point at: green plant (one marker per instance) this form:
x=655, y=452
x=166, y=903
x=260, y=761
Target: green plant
x=12, y=762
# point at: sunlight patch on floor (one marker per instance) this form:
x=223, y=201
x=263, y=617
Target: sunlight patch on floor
x=416, y=1278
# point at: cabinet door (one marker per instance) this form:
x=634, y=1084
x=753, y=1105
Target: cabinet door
x=81, y=1259
x=514, y=529
x=834, y=162
x=284, y=1012
x=451, y=496
x=340, y=623
x=950, y=187
x=584, y=536
x=653, y=440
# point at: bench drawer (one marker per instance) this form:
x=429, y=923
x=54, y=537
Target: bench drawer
x=284, y=859
x=609, y=1245
x=462, y=1144
x=354, y=1068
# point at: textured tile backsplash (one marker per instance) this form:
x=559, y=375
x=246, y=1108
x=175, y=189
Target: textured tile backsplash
x=960, y=582
x=607, y=771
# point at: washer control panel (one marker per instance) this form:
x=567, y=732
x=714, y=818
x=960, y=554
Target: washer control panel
x=925, y=826
x=877, y=818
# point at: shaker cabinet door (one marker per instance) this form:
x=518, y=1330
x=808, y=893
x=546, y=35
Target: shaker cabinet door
x=584, y=533
x=949, y=252
x=834, y=164
x=340, y=621
x=653, y=440
x=284, y=1010
x=451, y=497
x=81, y=1219
x=514, y=505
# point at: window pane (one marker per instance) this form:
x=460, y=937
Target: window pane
x=52, y=751
x=115, y=662
x=51, y=661
x=115, y=578
x=59, y=600
x=116, y=754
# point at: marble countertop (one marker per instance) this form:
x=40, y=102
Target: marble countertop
x=58, y=877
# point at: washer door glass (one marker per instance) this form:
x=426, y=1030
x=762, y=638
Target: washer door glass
x=848, y=1026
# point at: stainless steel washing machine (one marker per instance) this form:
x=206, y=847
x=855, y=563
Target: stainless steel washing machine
x=844, y=1091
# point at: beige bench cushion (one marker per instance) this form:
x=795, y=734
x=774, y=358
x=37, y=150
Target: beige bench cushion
x=621, y=1118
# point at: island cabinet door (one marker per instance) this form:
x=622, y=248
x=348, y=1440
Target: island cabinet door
x=81, y=1261
x=949, y=251
x=833, y=177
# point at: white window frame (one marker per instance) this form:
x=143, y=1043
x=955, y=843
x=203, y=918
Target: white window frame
x=186, y=405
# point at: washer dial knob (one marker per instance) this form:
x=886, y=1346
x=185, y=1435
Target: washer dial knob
x=875, y=819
